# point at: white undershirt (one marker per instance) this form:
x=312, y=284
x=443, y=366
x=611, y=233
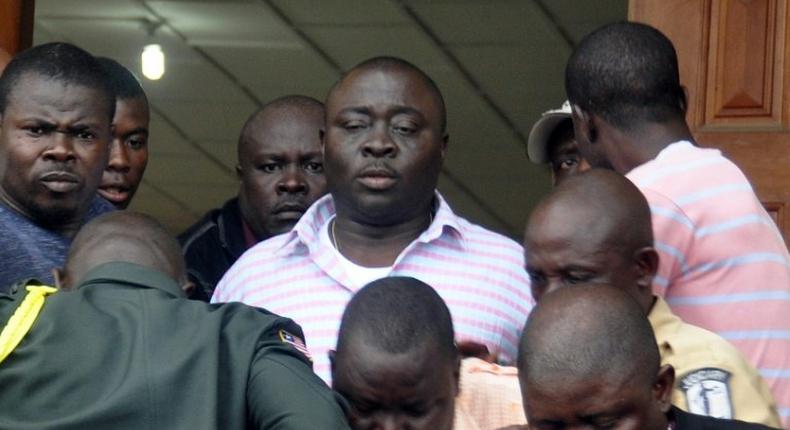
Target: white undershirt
x=360, y=275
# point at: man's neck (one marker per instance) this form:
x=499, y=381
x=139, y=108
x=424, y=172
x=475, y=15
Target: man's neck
x=375, y=245
x=647, y=141
x=66, y=229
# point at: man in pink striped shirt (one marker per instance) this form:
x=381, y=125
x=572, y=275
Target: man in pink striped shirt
x=723, y=263
x=384, y=144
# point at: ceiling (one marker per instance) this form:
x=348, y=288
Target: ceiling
x=499, y=64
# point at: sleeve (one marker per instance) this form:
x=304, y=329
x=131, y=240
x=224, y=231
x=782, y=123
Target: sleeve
x=284, y=393
x=724, y=390
x=673, y=236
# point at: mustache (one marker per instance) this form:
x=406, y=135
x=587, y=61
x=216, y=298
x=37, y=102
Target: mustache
x=288, y=204
x=378, y=169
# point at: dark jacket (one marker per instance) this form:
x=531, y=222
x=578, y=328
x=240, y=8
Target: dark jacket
x=124, y=351
x=687, y=421
x=211, y=246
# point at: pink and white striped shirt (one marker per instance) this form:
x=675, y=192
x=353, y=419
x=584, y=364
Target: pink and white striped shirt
x=480, y=275
x=724, y=265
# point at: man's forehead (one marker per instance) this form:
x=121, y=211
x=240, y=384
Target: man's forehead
x=34, y=89
x=369, y=86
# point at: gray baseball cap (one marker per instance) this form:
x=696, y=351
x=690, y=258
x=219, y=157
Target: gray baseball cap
x=538, y=142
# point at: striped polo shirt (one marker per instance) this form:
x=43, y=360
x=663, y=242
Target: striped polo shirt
x=724, y=265
x=479, y=274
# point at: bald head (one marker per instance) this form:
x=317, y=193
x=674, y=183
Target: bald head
x=608, y=207
x=395, y=65
x=579, y=333
x=593, y=228
x=281, y=168
x=288, y=109
x=589, y=354
x=123, y=237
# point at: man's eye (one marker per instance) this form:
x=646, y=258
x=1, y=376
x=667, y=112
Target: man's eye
x=135, y=143
x=405, y=129
x=314, y=167
x=578, y=277
x=35, y=130
x=354, y=125
x=536, y=278
x=85, y=135
x=568, y=163
x=416, y=410
x=269, y=167
x=608, y=423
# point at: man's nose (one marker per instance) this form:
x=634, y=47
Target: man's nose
x=380, y=144
x=292, y=181
x=61, y=148
x=119, y=158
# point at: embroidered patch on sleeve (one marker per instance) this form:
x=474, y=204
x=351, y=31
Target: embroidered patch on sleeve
x=296, y=342
x=708, y=392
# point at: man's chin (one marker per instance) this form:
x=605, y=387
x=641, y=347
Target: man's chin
x=55, y=215
x=280, y=227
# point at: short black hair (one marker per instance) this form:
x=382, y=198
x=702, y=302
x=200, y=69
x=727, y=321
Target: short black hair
x=398, y=315
x=587, y=331
x=124, y=83
x=58, y=61
x=388, y=63
x=626, y=73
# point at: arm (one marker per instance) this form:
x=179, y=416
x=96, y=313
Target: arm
x=284, y=393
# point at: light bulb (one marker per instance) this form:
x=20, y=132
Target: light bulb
x=153, y=62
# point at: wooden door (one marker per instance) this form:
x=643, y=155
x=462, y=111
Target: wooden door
x=16, y=27
x=734, y=58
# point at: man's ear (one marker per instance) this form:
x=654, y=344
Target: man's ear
x=584, y=128
x=457, y=373
x=61, y=278
x=646, y=266
x=188, y=287
x=238, y=172
x=663, y=385
x=331, y=355
x=445, y=142
x=684, y=99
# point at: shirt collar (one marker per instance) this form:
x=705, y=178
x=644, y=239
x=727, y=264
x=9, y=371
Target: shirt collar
x=661, y=316
x=129, y=273
x=306, y=232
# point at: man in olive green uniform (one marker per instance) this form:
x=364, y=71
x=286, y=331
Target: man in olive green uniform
x=125, y=350
x=595, y=228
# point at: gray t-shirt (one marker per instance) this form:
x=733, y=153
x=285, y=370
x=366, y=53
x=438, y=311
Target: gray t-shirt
x=30, y=251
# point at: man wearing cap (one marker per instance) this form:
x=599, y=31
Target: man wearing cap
x=552, y=142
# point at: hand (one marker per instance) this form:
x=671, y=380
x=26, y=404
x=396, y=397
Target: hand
x=469, y=349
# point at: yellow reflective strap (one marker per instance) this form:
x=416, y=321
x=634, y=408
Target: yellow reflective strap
x=24, y=317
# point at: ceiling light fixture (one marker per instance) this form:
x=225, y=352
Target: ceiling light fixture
x=153, y=61
x=153, y=58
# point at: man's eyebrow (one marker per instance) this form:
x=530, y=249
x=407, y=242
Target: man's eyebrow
x=137, y=130
x=406, y=110
x=355, y=109
x=310, y=155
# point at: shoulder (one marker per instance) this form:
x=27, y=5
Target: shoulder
x=687, y=421
x=479, y=239
x=701, y=344
x=202, y=232
x=260, y=262
x=98, y=207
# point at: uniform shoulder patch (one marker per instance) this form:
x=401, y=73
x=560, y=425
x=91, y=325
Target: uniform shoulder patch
x=707, y=392
x=296, y=342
